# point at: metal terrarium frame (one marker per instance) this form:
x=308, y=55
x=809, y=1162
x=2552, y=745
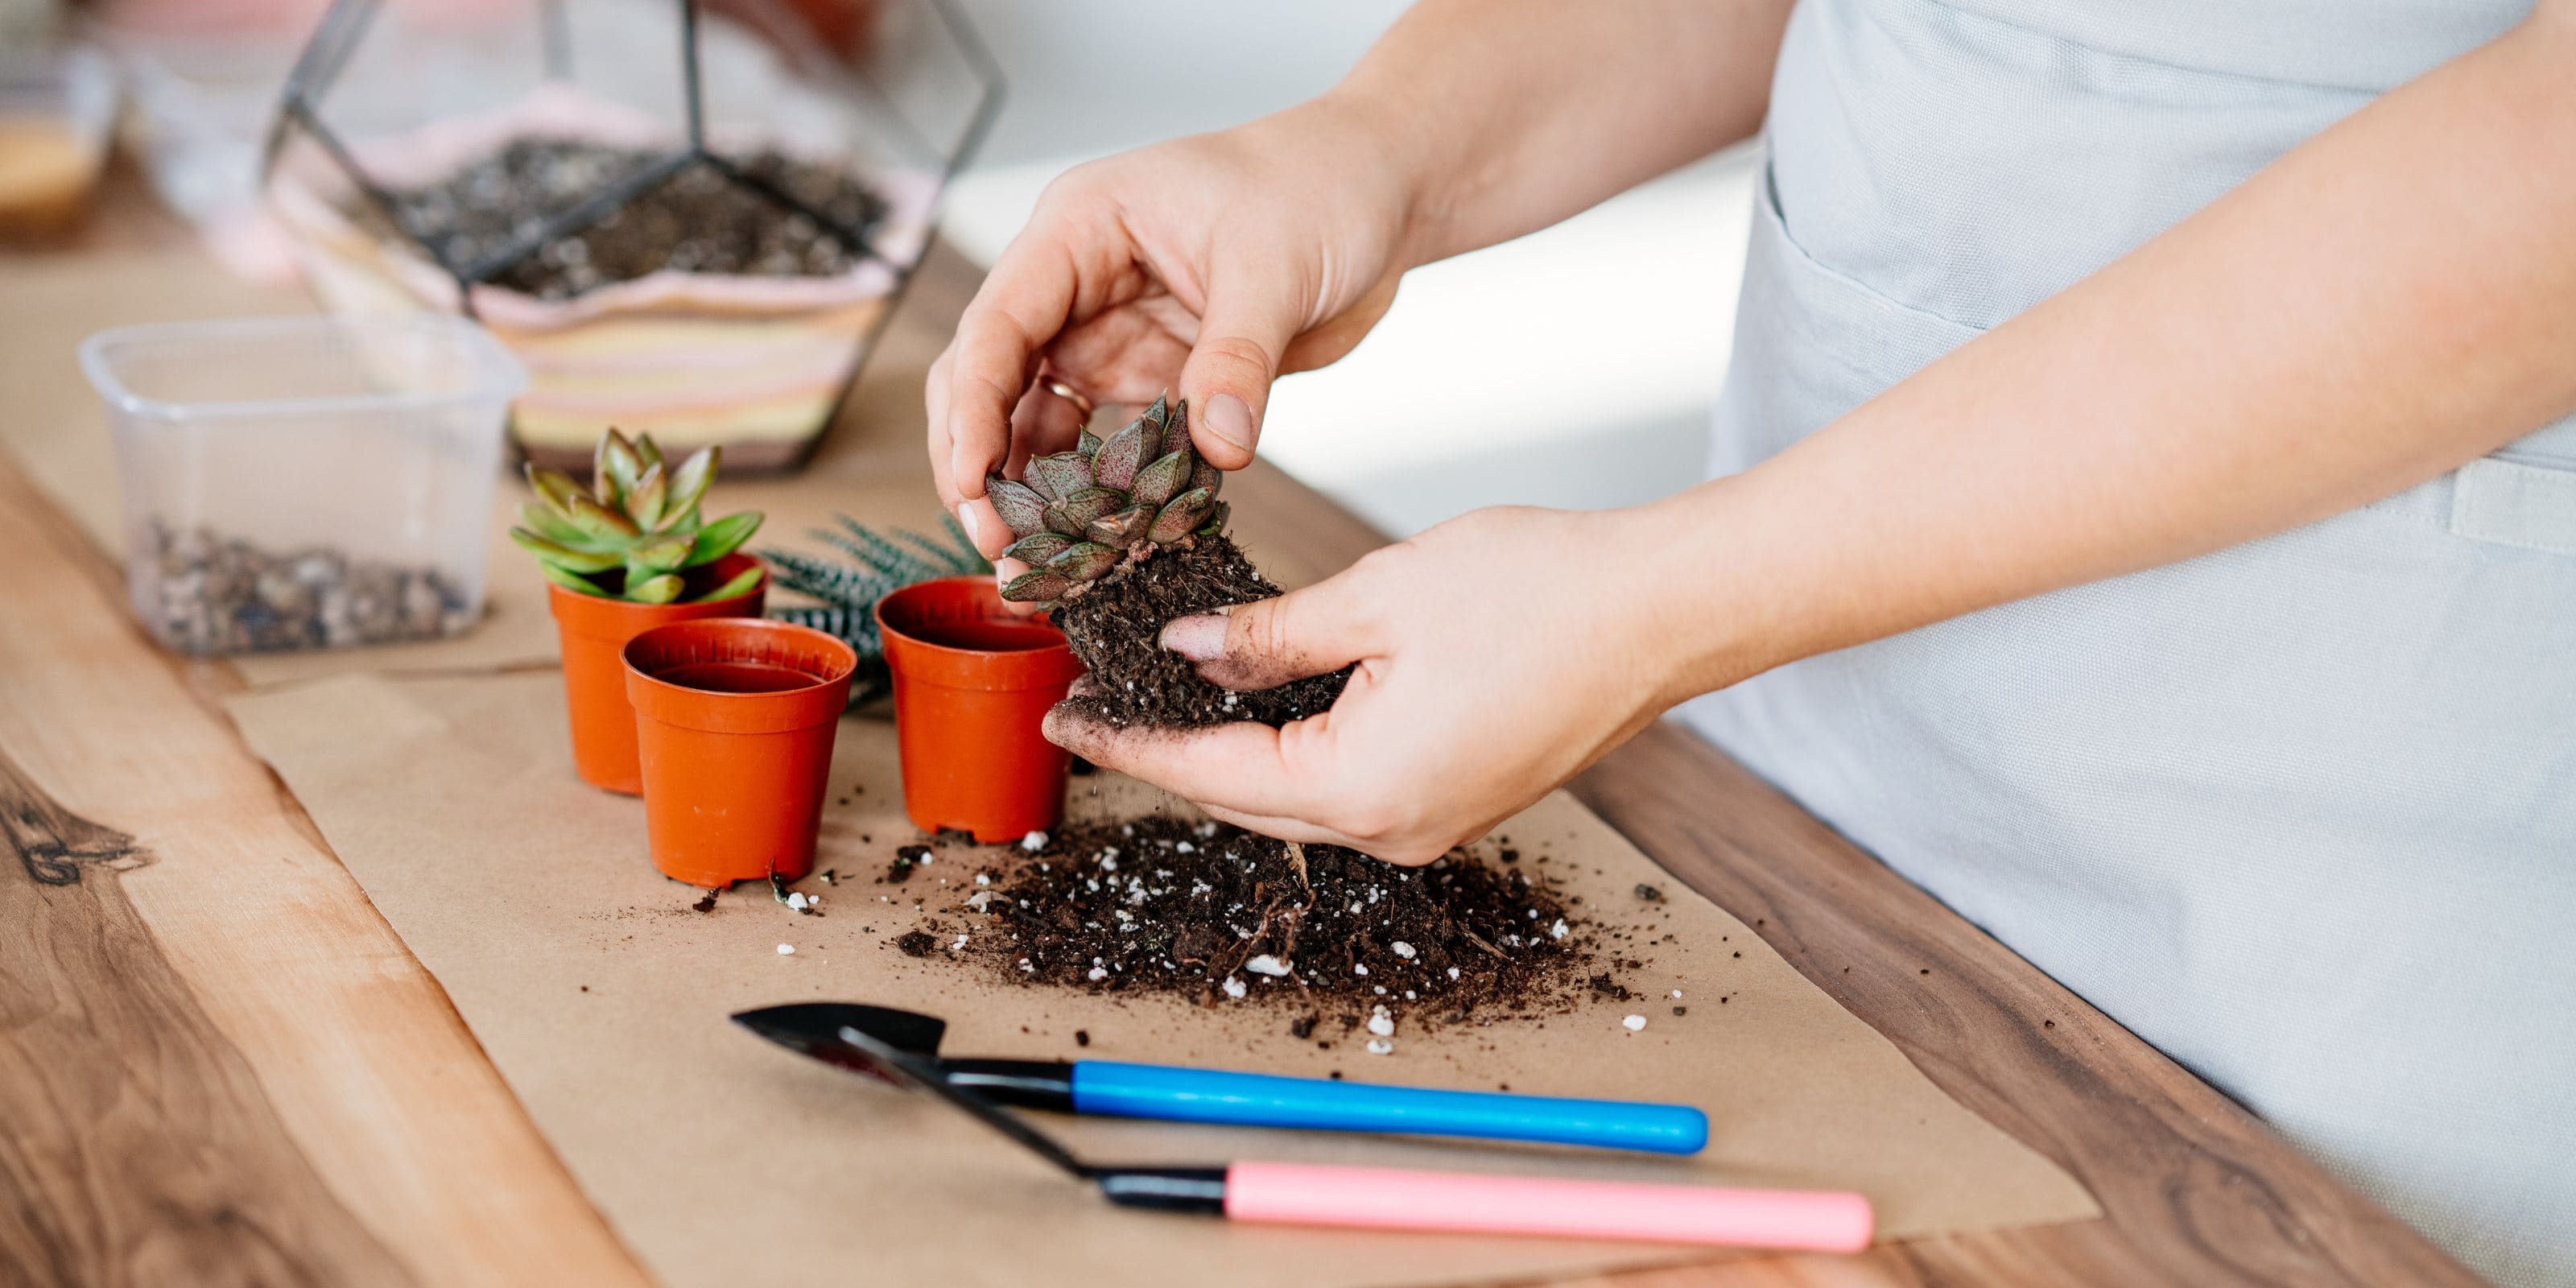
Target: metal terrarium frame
x=337, y=37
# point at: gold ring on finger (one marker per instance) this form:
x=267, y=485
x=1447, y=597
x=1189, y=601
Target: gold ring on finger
x=1081, y=401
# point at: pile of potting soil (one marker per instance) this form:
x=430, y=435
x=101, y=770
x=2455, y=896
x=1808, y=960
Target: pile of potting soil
x=696, y=221
x=1115, y=626
x=1226, y=918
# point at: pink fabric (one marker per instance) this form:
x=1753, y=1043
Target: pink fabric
x=1299, y=1194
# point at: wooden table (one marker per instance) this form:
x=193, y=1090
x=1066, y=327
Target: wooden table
x=211, y=1079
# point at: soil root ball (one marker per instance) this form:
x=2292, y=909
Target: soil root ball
x=1115, y=626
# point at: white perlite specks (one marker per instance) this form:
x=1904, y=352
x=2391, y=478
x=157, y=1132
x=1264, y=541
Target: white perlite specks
x=1402, y=949
x=1265, y=964
x=785, y=950
x=1379, y=1046
x=1381, y=1023
x=1557, y=931
x=1635, y=1023
x=1234, y=987
x=1033, y=842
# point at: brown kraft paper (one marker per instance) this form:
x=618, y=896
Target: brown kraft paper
x=602, y=998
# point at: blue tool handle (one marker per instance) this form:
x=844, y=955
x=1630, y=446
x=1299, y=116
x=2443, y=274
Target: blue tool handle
x=1263, y=1100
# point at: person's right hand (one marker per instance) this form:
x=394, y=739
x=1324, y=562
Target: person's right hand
x=1207, y=266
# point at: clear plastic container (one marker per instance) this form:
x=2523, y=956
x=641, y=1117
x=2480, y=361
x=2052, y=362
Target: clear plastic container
x=298, y=483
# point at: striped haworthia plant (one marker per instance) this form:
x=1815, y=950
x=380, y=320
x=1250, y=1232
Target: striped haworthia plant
x=845, y=591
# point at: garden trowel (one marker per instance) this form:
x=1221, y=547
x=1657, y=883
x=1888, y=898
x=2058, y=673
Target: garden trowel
x=1121, y=1090
x=1310, y=1194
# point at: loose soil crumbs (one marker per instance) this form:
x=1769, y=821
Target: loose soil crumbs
x=1224, y=917
x=906, y=858
x=1116, y=628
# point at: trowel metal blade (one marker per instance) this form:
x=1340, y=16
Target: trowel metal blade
x=814, y=1029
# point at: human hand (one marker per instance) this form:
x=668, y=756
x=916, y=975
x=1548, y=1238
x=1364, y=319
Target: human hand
x=1209, y=265
x=1497, y=656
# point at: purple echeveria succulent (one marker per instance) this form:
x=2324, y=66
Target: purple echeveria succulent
x=1078, y=515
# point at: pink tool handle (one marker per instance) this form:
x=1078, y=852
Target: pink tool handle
x=1383, y=1198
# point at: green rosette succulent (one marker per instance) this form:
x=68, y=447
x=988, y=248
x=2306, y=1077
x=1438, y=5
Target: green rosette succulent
x=636, y=531
x=1080, y=515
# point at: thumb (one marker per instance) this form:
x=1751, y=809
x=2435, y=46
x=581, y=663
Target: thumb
x=1227, y=378
x=1269, y=642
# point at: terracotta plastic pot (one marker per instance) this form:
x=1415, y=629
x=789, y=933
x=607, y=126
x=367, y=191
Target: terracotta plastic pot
x=972, y=684
x=593, y=631
x=734, y=720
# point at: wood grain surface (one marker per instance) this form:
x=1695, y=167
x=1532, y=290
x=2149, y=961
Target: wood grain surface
x=141, y=1148
x=217, y=1063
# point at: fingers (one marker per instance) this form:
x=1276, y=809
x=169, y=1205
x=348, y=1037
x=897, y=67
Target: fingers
x=1024, y=302
x=1341, y=333
x=1043, y=423
x=1269, y=642
x=1286, y=829
x=1278, y=782
x=1125, y=356
x=1242, y=767
x=1250, y=319
x=982, y=524
x=934, y=402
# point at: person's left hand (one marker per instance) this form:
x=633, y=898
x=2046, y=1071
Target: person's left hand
x=1498, y=655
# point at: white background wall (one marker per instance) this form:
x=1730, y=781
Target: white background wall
x=1573, y=367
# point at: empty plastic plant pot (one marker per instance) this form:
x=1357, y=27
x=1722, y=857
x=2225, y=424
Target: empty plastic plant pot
x=734, y=720
x=594, y=632
x=972, y=685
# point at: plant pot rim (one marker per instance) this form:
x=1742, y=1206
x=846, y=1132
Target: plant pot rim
x=914, y=658
x=599, y=617
x=778, y=711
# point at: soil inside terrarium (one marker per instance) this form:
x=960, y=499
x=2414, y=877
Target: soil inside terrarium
x=1318, y=934
x=1115, y=626
x=696, y=221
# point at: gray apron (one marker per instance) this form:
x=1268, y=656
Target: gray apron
x=2302, y=813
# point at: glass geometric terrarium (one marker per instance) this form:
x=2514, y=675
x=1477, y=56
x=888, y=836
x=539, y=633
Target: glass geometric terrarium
x=686, y=217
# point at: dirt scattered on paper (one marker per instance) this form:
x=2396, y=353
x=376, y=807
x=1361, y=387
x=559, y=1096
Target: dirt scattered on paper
x=1225, y=917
